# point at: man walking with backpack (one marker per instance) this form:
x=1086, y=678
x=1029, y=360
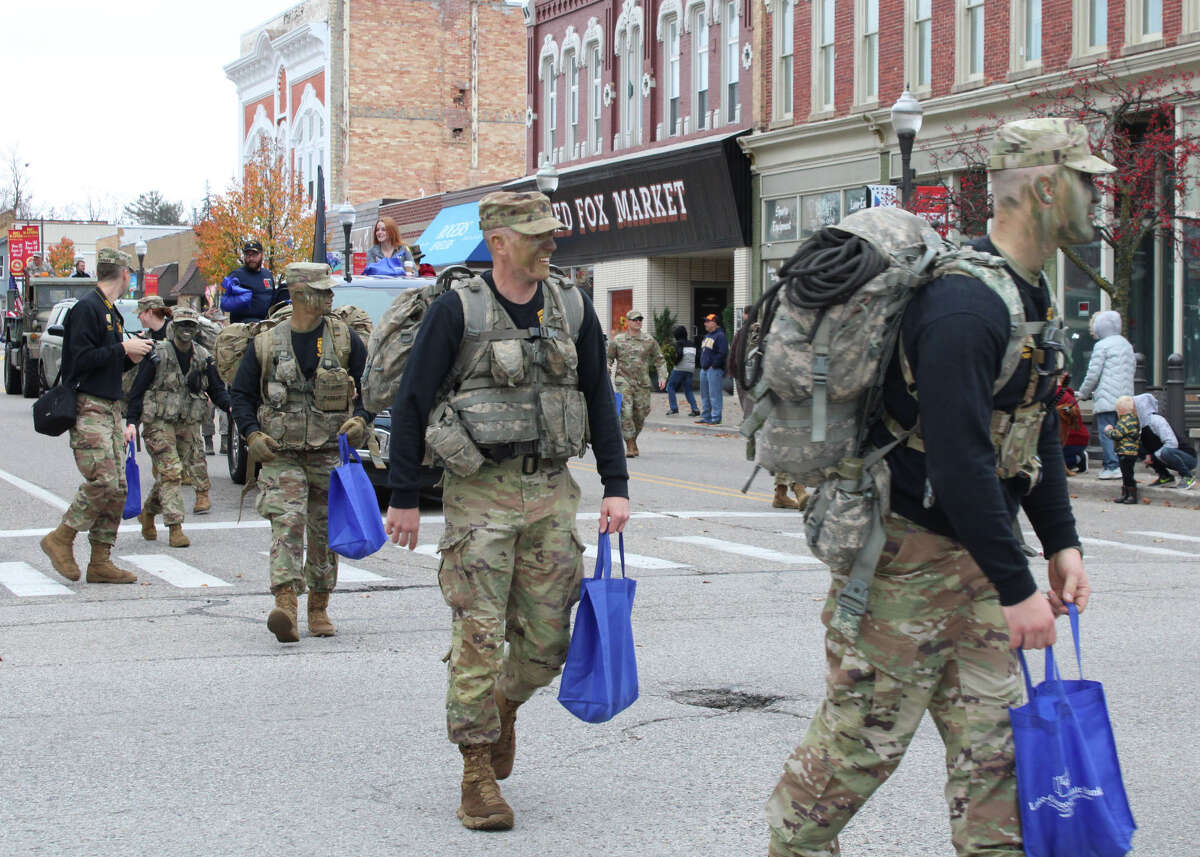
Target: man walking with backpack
x=952, y=595
x=521, y=353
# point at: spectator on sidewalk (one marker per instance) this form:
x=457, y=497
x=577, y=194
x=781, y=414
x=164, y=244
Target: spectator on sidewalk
x=80, y=269
x=714, y=353
x=682, y=373
x=1109, y=376
x=1163, y=449
x=1071, y=431
x=1126, y=433
x=388, y=244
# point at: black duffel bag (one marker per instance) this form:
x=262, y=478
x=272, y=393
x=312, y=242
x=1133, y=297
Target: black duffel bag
x=54, y=411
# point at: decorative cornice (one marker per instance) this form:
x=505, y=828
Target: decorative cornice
x=665, y=11
x=632, y=17
x=306, y=43
x=594, y=34
x=549, y=50
x=570, y=44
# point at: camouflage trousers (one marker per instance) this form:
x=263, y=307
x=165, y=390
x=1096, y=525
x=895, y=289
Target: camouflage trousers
x=934, y=639
x=172, y=448
x=511, y=569
x=293, y=494
x=98, y=441
x=635, y=407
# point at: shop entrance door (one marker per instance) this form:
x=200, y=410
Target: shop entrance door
x=708, y=298
x=620, y=302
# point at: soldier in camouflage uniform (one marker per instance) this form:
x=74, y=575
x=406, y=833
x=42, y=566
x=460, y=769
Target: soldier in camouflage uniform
x=170, y=395
x=298, y=388
x=952, y=594
x=632, y=352
x=95, y=355
x=522, y=354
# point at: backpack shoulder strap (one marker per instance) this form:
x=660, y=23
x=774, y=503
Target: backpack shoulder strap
x=571, y=301
x=339, y=332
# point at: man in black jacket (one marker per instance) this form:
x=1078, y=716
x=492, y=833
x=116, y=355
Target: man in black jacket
x=95, y=354
x=952, y=593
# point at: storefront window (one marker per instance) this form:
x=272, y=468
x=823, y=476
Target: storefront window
x=1191, y=305
x=820, y=210
x=781, y=222
x=857, y=198
x=1081, y=299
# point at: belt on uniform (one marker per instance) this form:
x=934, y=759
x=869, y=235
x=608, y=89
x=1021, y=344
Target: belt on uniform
x=500, y=452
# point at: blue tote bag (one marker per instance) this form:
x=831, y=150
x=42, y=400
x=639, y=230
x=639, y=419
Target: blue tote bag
x=1072, y=798
x=133, y=486
x=236, y=297
x=355, y=528
x=599, y=679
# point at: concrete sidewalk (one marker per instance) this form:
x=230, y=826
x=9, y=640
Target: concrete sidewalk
x=1085, y=486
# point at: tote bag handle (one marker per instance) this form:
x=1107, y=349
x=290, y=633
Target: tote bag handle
x=1052, y=673
x=604, y=556
x=348, y=453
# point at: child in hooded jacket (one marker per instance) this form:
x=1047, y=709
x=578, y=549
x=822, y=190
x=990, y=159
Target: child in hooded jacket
x=1126, y=437
x=1164, y=451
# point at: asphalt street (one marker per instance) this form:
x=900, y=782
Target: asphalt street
x=163, y=718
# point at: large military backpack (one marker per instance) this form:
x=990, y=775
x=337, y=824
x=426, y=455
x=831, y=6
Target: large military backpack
x=813, y=363
x=233, y=340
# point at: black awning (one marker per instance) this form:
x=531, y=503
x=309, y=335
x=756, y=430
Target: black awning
x=683, y=200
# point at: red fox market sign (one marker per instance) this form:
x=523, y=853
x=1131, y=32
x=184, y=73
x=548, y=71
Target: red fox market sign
x=662, y=202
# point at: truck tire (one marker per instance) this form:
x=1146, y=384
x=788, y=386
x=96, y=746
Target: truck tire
x=12, y=375
x=30, y=375
x=236, y=454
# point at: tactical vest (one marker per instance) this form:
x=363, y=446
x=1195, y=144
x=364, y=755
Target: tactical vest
x=299, y=413
x=518, y=385
x=169, y=399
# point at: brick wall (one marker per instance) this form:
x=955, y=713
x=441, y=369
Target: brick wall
x=410, y=97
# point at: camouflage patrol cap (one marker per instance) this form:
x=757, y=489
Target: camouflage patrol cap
x=185, y=315
x=150, y=302
x=633, y=315
x=314, y=275
x=528, y=213
x=1042, y=142
x=112, y=256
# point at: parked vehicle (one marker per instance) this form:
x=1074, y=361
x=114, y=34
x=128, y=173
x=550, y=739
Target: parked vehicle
x=52, y=340
x=25, y=325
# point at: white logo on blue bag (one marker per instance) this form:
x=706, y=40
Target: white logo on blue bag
x=1065, y=796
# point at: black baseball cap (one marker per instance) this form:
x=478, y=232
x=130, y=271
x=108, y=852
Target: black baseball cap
x=252, y=247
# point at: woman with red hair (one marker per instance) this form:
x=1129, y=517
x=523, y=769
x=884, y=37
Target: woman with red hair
x=388, y=243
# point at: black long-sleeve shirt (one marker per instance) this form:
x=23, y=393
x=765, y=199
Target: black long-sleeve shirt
x=433, y=357
x=955, y=333
x=93, y=357
x=148, y=371
x=246, y=393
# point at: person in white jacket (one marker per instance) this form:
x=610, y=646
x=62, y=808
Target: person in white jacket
x=1164, y=451
x=1109, y=376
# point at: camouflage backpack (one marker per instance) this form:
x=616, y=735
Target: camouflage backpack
x=233, y=340
x=814, y=361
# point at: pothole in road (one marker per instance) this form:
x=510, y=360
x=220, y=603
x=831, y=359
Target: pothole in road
x=724, y=699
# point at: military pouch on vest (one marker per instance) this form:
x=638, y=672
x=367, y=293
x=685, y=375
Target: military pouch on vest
x=508, y=362
x=447, y=439
x=559, y=356
x=276, y=394
x=838, y=518
x=562, y=415
x=332, y=389
x=1015, y=437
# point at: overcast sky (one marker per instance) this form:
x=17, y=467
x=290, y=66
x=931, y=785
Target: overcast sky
x=113, y=99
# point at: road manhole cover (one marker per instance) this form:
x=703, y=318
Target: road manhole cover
x=724, y=699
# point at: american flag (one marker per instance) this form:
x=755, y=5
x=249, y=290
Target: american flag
x=18, y=308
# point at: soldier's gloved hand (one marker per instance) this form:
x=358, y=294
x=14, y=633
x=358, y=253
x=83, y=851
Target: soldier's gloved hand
x=355, y=430
x=262, y=446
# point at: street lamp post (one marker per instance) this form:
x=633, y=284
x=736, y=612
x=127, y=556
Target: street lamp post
x=547, y=179
x=346, y=217
x=140, y=249
x=906, y=119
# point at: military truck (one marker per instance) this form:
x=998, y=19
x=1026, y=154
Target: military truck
x=25, y=324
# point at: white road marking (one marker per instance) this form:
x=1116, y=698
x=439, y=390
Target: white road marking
x=173, y=571
x=744, y=550
x=426, y=550
x=1155, y=534
x=36, y=491
x=349, y=573
x=25, y=581
x=633, y=560
x=1139, y=548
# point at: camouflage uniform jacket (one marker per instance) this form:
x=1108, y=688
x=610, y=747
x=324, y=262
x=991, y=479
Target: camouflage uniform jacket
x=633, y=356
x=171, y=397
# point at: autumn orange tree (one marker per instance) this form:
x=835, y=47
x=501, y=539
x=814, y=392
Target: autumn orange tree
x=269, y=205
x=62, y=257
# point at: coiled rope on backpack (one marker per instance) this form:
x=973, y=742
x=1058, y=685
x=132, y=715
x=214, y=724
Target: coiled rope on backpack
x=827, y=269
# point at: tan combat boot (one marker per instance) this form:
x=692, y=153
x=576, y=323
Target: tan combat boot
x=801, y=496
x=282, y=621
x=149, y=533
x=636, y=451
x=782, y=500
x=482, y=807
x=58, y=544
x=631, y=450
x=101, y=569
x=178, y=539
x=318, y=620
x=505, y=748
x=203, y=504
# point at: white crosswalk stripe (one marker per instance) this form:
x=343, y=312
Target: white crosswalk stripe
x=634, y=560
x=744, y=550
x=1138, y=548
x=174, y=572
x=1156, y=534
x=350, y=573
x=25, y=581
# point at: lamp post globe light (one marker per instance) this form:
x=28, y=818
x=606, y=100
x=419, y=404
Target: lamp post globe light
x=345, y=215
x=140, y=249
x=906, y=119
x=547, y=179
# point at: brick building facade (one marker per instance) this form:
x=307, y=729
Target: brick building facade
x=394, y=99
x=831, y=69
